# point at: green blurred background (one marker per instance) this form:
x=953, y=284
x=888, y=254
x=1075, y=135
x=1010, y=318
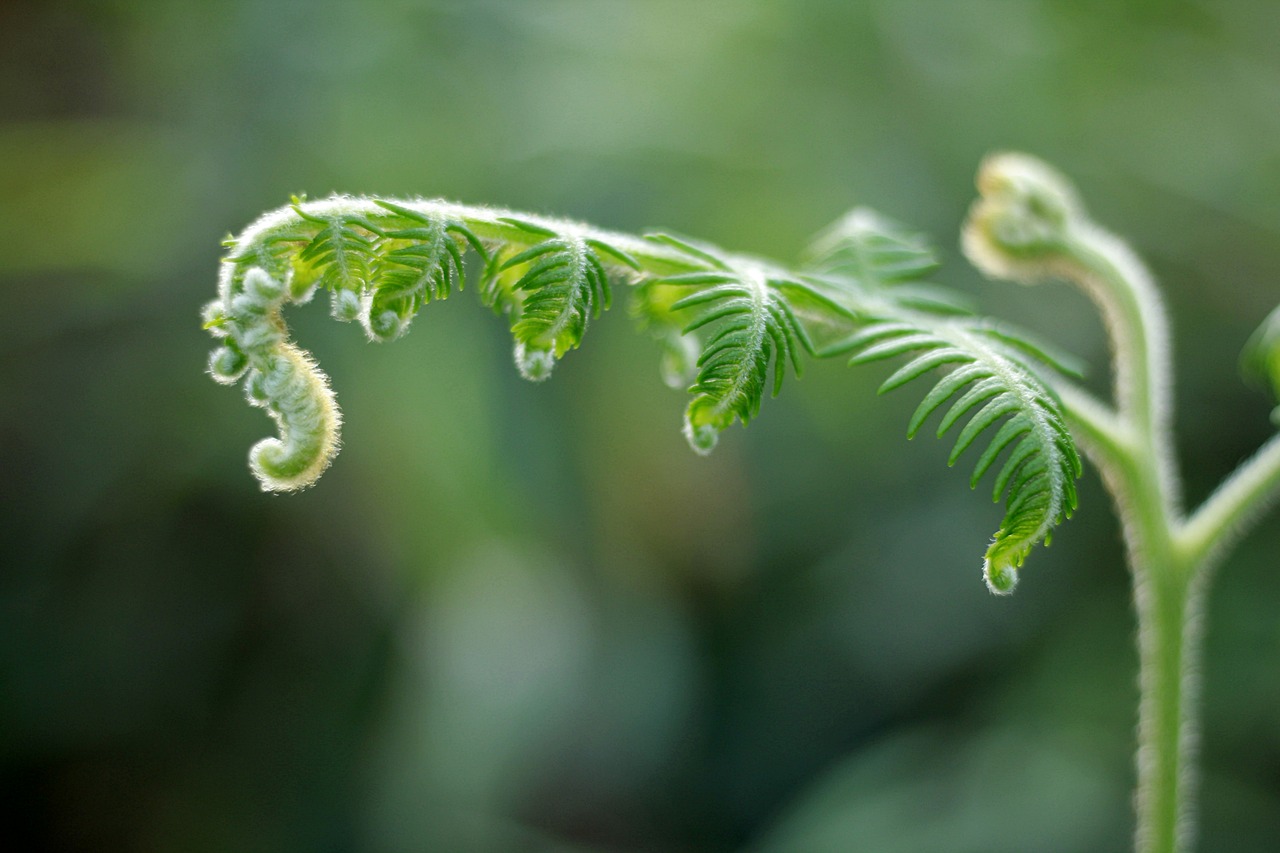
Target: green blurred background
x=528, y=618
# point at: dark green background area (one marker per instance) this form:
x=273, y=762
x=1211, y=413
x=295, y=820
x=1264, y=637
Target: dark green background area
x=527, y=618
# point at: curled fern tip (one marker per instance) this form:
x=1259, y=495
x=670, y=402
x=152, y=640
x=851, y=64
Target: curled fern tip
x=533, y=364
x=1018, y=227
x=1001, y=577
x=278, y=377
x=702, y=437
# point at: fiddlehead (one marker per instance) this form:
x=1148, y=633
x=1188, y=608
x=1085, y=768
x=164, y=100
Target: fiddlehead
x=278, y=377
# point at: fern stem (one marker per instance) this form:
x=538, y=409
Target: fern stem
x=1227, y=513
x=1117, y=282
x=1139, y=468
x=1171, y=556
x=1169, y=606
x=1168, y=594
x=1134, y=454
x=1169, y=587
x=488, y=223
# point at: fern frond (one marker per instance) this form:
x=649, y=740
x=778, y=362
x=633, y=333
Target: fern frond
x=382, y=260
x=339, y=257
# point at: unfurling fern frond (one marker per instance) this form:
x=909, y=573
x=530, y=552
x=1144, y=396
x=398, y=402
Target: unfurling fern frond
x=992, y=377
x=382, y=261
x=728, y=318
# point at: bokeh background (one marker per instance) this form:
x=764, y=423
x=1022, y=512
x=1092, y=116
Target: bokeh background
x=528, y=618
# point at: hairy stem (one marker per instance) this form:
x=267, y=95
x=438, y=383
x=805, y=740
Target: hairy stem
x=1167, y=595
x=1170, y=557
x=1137, y=465
x=1213, y=527
x=488, y=223
x=1141, y=476
x=1170, y=618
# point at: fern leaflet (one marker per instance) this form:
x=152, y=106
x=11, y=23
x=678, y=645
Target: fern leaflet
x=991, y=377
x=750, y=328
x=564, y=283
x=415, y=265
x=339, y=257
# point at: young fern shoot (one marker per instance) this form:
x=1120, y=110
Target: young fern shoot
x=724, y=321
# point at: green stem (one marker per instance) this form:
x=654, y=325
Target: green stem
x=488, y=223
x=1170, y=558
x=1237, y=502
x=1132, y=448
x=1169, y=607
x=1167, y=594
